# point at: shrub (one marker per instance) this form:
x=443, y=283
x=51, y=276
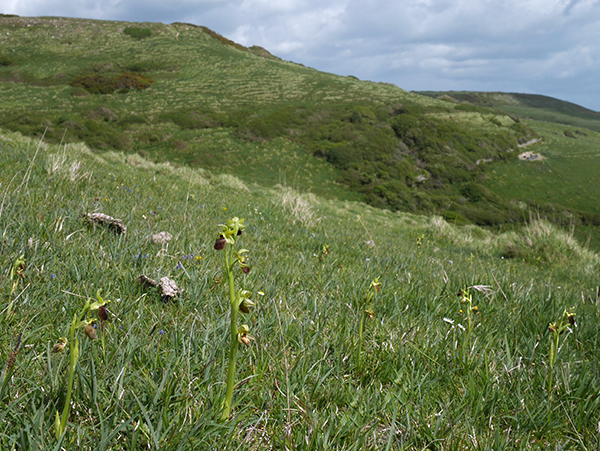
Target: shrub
x=6, y=60
x=473, y=191
x=100, y=84
x=137, y=33
x=191, y=119
x=131, y=81
x=455, y=218
x=94, y=84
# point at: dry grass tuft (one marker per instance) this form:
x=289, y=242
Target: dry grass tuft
x=299, y=205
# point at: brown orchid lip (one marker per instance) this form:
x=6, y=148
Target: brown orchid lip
x=102, y=313
x=220, y=243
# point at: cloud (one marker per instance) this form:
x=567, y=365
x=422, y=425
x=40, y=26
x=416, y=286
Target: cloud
x=515, y=45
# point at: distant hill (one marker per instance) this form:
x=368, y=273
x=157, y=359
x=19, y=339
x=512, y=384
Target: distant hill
x=532, y=106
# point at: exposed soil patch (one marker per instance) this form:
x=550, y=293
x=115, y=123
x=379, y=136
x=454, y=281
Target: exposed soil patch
x=530, y=156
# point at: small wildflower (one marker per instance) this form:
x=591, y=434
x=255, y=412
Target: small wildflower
x=60, y=346
x=243, y=336
x=91, y=332
x=376, y=284
x=246, y=305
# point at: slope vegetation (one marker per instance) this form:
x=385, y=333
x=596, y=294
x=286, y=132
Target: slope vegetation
x=458, y=350
x=183, y=93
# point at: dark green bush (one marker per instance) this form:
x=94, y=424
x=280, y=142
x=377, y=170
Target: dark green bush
x=473, y=192
x=100, y=84
x=131, y=119
x=191, y=119
x=455, y=218
x=137, y=33
x=6, y=60
x=94, y=84
x=79, y=92
x=131, y=82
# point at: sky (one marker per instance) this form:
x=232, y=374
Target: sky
x=549, y=47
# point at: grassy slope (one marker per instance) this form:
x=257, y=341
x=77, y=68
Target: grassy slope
x=155, y=382
x=215, y=104
x=531, y=106
x=194, y=71
x=562, y=182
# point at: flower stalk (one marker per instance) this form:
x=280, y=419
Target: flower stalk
x=556, y=329
x=367, y=311
x=80, y=321
x=239, y=301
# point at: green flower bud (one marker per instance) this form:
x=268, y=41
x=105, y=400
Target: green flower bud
x=246, y=305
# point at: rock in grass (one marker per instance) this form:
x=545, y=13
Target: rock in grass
x=116, y=225
x=168, y=288
x=162, y=237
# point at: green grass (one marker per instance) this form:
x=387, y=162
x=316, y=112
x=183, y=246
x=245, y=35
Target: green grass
x=156, y=381
x=563, y=186
x=530, y=106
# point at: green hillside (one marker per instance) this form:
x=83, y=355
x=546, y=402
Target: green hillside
x=531, y=106
x=472, y=340
x=184, y=94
